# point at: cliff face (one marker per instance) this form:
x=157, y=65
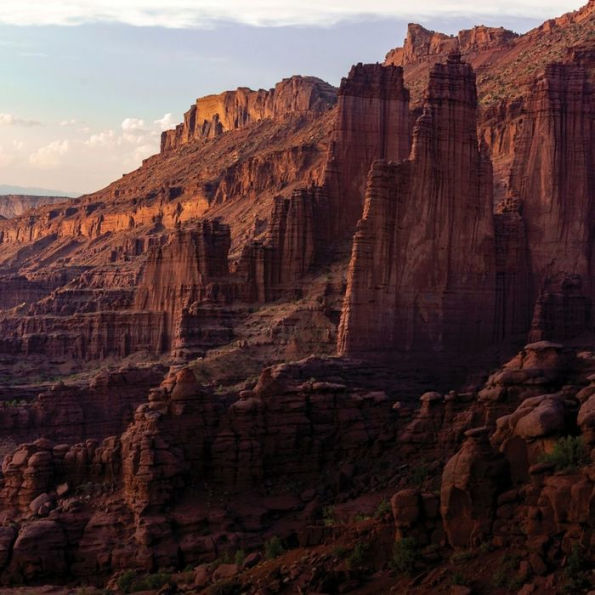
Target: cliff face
x=423, y=45
x=184, y=271
x=296, y=234
x=422, y=271
x=212, y=115
x=553, y=174
x=372, y=122
x=497, y=55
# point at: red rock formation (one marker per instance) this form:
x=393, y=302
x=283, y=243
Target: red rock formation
x=84, y=336
x=215, y=114
x=422, y=45
x=422, y=271
x=553, y=176
x=295, y=236
x=70, y=413
x=185, y=270
x=513, y=278
x=372, y=122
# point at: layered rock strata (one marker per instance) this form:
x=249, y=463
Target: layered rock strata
x=184, y=271
x=212, y=115
x=553, y=176
x=372, y=122
x=422, y=272
x=295, y=238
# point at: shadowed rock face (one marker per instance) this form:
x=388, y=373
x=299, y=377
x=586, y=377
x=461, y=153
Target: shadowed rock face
x=297, y=230
x=372, y=122
x=422, y=271
x=184, y=271
x=212, y=115
x=553, y=176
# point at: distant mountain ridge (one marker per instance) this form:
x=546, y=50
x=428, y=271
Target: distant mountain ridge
x=13, y=205
x=34, y=191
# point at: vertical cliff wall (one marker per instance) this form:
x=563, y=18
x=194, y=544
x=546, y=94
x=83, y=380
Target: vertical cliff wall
x=422, y=271
x=297, y=231
x=212, y=115
x=372, y=123
x=553, y=173
x=184, y=271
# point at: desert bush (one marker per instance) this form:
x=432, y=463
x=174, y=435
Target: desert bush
x=273, y=548
x=568, y=454
x=357, y=556
x=405, y=552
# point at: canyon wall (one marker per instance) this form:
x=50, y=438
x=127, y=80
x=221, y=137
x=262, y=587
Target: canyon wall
x=422, y=272
x=212, y=115
x=184, y=271
x=553, y=176
x=372, y=122
x=295, y=237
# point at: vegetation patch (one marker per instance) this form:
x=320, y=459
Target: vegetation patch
x=568, y=455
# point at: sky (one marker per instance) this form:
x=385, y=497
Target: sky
x=87, y=86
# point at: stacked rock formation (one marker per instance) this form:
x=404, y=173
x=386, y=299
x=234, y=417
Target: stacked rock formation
x=553, y=176
x=295, y=237
x=184, y=271
x=422, y=271
x=372, y=122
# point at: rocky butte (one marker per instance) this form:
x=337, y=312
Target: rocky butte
x=326, y=341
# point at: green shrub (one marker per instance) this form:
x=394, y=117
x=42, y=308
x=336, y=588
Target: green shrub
x=357, y=556
x=273, y=548
x=383, y=509
x=419, y=475
x=128, y=582
x=569, y=453
x=505, y=576
x=125, y=581
x=328, y=516
x=239, y=557
x=462, y=556
x=405, y=553
x=151, y=582
x=575, y=571
x=230, y=587
x=458, y=579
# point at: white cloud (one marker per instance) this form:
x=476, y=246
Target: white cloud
x=101, y=139
x=11, y=120
x=133, y=125
x=66, y=123
x=166, y=122
x=197, y=13
x=50, y=156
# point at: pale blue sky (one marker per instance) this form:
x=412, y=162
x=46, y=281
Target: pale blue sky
x=80, y=105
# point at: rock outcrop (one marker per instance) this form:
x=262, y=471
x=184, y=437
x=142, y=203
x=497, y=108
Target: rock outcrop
x=212, y=115
x=295, y=237
x=422, y=272
x=191, y=267
x=423, y=45
x=372, y=122
x=553, y=177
